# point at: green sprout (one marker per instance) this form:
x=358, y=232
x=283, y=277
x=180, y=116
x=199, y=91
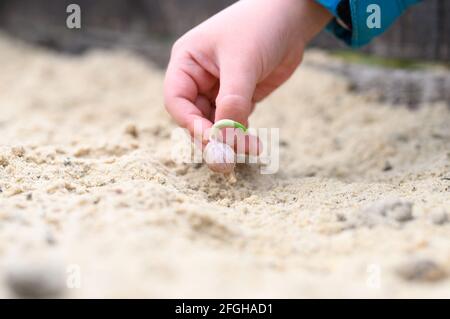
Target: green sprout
x=225, y=124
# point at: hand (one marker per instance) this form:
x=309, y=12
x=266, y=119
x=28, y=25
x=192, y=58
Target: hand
x=222, y=67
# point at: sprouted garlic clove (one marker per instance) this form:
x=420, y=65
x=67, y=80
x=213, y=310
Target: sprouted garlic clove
x=219, y=157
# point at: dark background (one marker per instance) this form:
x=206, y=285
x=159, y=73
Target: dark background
x=150, y=26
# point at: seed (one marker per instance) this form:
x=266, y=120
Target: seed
x=219, y=157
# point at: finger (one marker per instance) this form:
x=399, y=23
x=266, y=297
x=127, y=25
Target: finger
x=275, y=79
x=205, y=106
x=247, y=143
x=237, y=86
x=187, y=115
x=181, y=96
x=235, y=102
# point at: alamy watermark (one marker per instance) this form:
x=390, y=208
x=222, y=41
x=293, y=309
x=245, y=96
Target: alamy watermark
x=73, y=20
x=73, y=279
x=374, y=19
x=186, y=149
x=373, y=280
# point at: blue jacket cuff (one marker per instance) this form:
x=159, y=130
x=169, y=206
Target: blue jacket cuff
x=370, y=18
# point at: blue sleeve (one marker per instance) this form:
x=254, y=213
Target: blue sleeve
x=370, y=18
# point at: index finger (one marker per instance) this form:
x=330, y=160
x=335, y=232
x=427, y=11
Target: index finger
x=183, y=83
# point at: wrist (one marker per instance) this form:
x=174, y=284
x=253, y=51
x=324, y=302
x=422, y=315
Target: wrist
x=309, y=18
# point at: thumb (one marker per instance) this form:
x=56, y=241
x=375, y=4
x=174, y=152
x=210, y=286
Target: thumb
x=236, y=90
x=235, y=102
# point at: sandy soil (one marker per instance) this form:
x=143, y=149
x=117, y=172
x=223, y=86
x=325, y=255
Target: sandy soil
x=89, y=193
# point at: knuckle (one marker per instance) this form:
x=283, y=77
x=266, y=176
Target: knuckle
x=177, y=46
x=234, y=102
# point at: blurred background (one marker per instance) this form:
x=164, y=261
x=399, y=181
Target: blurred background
x=422, y=33
x=149, y=27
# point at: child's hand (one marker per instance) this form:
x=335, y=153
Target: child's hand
x=222, y=67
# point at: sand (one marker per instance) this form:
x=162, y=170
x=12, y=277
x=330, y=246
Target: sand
x=91, y=204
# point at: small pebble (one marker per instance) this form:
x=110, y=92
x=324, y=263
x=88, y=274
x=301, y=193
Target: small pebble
x=400, y=211
x=439, y=217
x=132, y=130
x=50, y=238
x=82, y=151
x=387, y=166
x=423, y=270
x=3, y=161
x=35, y=280
x=67, y=162
x=182, y=170
x=18, y=151
x=391, y=211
